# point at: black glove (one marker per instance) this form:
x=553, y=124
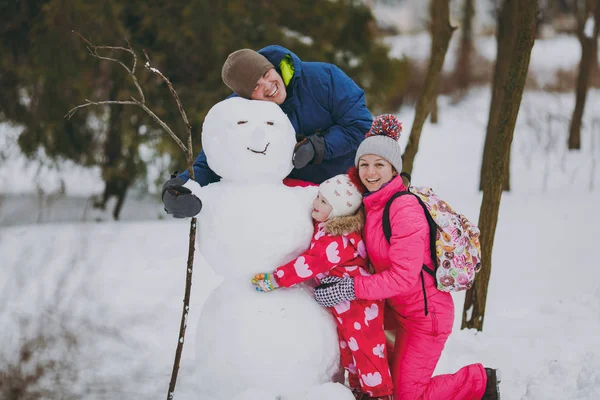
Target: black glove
x=310, y=150
x=179, y=200
x=334, y=290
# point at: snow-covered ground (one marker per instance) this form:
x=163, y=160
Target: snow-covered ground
x=543, y=303
x=119, y=286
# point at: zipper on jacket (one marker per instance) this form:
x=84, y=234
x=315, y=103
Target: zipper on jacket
x=434, y=323
x=424, y=293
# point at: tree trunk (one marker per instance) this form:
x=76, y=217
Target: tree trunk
x=463, y=68
x=433, y=118
x=505, y=41
x=441, y=34
x=589, y=56
x=523, y=15
x=118, y=167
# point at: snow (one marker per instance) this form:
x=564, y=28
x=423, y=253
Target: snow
x=409, y=16
x=588, y=29
x=543, y=300
x=240, y=237
x=269, y=134
x=119, y=286
x=19, y=174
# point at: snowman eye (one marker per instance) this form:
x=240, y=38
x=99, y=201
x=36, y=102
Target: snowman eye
x=270, y=123
x=242, y=122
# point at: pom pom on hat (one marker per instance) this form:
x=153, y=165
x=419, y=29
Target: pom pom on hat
x=382, y=140
x=387, y=125
x=355, y=179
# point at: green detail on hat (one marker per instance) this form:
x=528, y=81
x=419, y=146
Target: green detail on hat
x=286, y=66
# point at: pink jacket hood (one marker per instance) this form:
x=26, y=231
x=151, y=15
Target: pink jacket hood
x=397, y=265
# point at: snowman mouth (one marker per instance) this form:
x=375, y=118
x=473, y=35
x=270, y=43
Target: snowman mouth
x=260, y=151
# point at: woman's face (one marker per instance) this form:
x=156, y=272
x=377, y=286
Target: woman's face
x=374, y=171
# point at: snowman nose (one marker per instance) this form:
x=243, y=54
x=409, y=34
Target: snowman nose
x=257, y=138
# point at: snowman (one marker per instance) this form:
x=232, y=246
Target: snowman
x=252, y=346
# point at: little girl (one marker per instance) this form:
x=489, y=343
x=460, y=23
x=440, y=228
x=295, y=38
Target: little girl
x=337, y=249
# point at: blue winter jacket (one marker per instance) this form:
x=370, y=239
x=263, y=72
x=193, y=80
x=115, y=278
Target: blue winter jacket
x=320, y=98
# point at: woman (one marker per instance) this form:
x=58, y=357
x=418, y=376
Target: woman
x=421, y=315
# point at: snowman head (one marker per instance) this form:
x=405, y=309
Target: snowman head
x=248, y=141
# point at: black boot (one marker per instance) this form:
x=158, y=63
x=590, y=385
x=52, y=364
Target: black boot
x=492, y=389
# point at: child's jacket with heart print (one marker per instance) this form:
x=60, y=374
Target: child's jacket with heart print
x=337, y=249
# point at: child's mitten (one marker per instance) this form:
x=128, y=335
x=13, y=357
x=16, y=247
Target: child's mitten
x=334, y=290
x=265, y=282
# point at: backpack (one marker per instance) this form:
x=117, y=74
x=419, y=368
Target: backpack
x=453, y=240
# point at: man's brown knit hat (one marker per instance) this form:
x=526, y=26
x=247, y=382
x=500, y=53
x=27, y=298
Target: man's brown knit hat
x=242, y=69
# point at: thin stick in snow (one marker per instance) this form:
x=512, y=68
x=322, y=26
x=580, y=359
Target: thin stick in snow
x=141, y=102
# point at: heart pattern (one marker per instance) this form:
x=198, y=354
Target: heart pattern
x=378, y=350
x=302, y=268
x=342, y=307
x=371, y=313
x=362, y=249
x=372, y=379
x=333, y=255
x=352, y=344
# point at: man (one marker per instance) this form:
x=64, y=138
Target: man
x=325, y=106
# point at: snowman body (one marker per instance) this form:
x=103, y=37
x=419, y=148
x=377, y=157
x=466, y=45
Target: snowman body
x=278, y=345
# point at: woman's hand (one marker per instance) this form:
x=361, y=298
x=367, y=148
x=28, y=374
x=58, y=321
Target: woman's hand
x=265, y=282
x=334, y=290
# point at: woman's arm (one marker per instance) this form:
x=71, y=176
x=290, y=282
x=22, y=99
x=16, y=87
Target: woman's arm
x=410, y=233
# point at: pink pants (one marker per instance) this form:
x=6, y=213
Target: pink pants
x=419, y=343
x=363, y=350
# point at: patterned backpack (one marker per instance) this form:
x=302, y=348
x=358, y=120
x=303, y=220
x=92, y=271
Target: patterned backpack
x=454, y=240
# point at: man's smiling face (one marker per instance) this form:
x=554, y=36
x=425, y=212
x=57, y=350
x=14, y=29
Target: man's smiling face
x=270, y=87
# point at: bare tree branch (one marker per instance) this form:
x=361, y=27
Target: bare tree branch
x=97, y=103
x=93, y=49
x=189, y=153
x=186, y=150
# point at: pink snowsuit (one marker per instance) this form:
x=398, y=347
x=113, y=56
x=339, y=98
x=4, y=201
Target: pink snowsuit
x=420, y=338
x=362, y=343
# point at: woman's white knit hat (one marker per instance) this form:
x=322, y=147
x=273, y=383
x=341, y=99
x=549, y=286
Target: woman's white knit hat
x=382, y=140
x=340, y=192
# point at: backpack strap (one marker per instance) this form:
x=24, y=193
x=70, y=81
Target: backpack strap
x=387, y=227
x=387, y=231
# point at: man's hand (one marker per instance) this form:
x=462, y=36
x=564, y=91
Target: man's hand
x=179, y=200
x=265, y=282
x=333, y=291
x=310, y=150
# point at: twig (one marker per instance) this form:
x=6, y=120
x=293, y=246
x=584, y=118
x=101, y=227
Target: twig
x=97, y=103
x=93, y=49
x=94, y=52
x=141, y=102
x=190, y=262
x=189, y=153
